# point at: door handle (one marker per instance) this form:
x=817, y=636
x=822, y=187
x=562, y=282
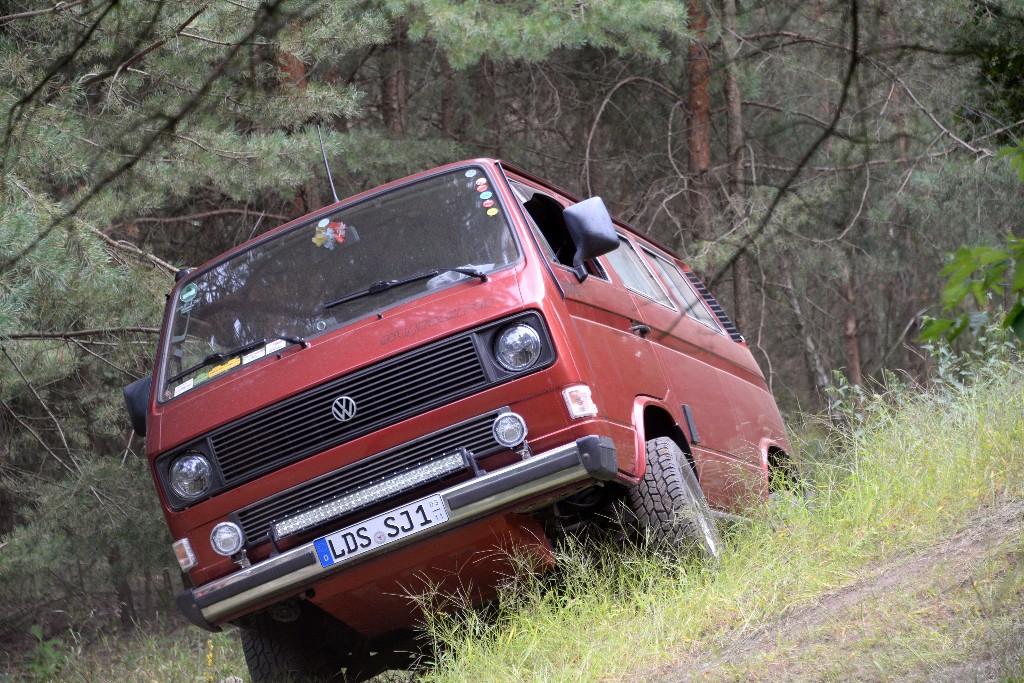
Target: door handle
x=640, y=328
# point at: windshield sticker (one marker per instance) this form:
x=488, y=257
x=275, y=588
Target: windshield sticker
x=488, y=203
x=486, y=195
x=471, y=172
x=276, y=345
x=188, y=293
x=224, y=367
x=481, y=188
x=255, y=355
x=481, y=181
x=492, y=212
x=183, y=387
x=329, y=233
x=187, y=297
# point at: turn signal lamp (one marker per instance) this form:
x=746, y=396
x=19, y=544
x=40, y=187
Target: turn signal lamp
x=183, y=552
x=579, y=401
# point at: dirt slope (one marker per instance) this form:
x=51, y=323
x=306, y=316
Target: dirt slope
x=951, y=612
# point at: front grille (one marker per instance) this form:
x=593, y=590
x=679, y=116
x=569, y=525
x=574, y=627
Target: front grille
x=384, y=394
x=474, y=435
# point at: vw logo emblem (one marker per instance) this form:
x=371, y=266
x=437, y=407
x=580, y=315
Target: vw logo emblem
x=343, y=409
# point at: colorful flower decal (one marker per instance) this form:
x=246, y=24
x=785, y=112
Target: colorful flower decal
x=488, y=203
x=486, y=195
x=470, y=173
x=481, y=181
x=328, y=233
x=492, y=212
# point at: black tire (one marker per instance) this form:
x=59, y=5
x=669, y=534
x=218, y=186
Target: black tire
x=278, y=652
x=669, y=506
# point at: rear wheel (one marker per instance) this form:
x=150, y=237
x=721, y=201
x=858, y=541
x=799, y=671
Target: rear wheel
x=669, y=505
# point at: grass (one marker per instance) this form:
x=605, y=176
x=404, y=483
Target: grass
x=908, y=470
x=161, y=652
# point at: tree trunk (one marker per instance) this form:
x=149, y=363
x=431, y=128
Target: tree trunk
x=699, y=133
x=852, y=338
x=812, y=358
x=294, y=70
x=734, y=149
x=122, y=589
x=393, y=86
x=447, y=98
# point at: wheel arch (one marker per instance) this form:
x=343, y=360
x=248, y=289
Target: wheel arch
x=779, y=467
x=651, y=419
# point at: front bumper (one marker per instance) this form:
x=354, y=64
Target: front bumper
x=290, y=572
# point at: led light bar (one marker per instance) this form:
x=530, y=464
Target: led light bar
x=435, y=469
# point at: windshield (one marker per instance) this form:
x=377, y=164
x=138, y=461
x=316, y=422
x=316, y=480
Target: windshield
x=274, y=294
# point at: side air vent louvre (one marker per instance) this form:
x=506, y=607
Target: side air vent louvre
x=719, y=312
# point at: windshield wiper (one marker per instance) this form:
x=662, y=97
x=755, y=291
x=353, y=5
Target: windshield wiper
x=224, y=355
x=384, y=285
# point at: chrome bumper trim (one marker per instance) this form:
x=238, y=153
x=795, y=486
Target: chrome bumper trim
x=590, y=457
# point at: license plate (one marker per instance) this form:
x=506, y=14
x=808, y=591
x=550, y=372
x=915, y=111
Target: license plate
x=385, y=528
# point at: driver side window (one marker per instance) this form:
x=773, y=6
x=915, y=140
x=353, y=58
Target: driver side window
x=552, y=233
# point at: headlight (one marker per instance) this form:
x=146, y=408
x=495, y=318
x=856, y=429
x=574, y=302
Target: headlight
x=517, y=347
x=190, y=476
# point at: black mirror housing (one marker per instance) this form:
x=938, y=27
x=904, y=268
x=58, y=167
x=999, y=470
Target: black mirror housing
x=136, y=400
x=590, y=226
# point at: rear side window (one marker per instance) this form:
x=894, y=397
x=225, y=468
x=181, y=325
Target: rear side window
x=635, y=275
x=691, y=302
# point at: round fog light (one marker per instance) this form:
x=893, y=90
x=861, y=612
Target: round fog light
x=509, y=429
x=226, y=539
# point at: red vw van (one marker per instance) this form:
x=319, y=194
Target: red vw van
x=398, y=390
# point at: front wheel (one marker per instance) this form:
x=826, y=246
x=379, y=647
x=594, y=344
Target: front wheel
x=286, y=652
x=669, y=505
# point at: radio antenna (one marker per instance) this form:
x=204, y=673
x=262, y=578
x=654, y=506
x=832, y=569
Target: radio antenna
x=323, y=151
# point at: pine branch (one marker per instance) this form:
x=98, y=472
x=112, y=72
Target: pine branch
x=134, y=59
x=132, y=249
x=17, y=110
x=59, y=7
x=76, y=334
x=749, y=238
x=267, y=16
x=38, y=438
x=198, y=216
x=56, y=422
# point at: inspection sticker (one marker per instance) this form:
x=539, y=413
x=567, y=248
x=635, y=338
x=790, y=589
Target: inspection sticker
x=183, y=387
x=255, y=355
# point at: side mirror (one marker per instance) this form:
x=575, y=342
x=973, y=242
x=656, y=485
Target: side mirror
x=591, y=229
x=136, y=400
